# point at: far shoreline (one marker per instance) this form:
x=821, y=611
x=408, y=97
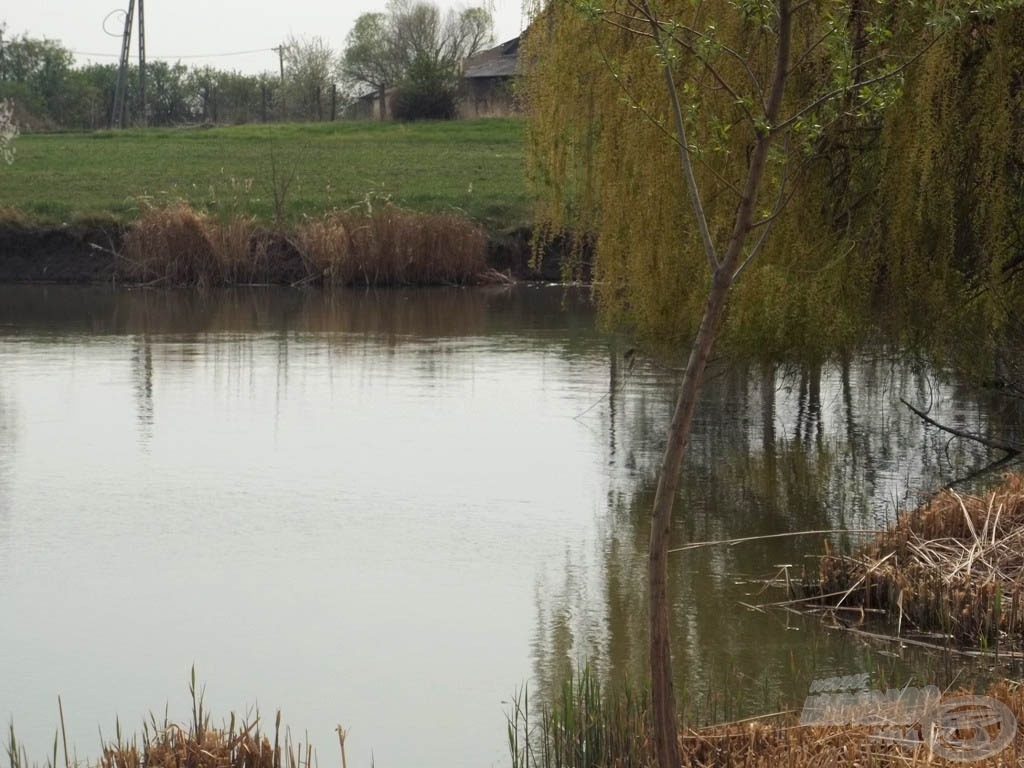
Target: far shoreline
x=91, y=253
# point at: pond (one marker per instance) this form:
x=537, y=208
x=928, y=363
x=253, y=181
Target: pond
x=390, y=510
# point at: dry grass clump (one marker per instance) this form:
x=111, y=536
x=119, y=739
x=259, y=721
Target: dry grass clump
x=240, y=250
x=955, y=565
x=387, y=245
x=379, y=246
x=174, y=747
x=13, y=217
x=172, y=246
x=197, y=744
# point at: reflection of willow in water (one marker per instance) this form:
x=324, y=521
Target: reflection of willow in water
x=827, y=447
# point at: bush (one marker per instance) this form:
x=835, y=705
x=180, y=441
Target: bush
x=428, y=92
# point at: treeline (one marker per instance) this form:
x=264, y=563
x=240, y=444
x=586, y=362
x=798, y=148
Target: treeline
x=51, y=93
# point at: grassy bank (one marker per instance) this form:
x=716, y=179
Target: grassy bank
x=472, y=166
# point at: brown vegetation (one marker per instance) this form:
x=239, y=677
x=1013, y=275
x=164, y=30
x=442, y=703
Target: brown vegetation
x=954, y=566
x=197, y=744
x=388, y=245
x=587, y=725
x=378, y=246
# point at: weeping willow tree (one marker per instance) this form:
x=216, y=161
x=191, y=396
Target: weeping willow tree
x=951, y=191
x=696, y=142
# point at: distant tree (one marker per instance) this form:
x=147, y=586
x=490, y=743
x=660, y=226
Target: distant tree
x=310, y=67
x=203, y=84
x=94, y=86
x=423, y=33
x=371, y=57
x=419, y=49
x=167, y=93
x=35, y=70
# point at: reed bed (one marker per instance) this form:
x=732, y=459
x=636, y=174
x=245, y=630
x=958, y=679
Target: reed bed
x=952, y=568
x=387, y=245
x=366, y=246
x=239, y=743
x=588, y=726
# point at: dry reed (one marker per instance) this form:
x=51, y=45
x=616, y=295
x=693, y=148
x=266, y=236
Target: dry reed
x=954, y=566
x=196, y=744
x=587, y=727
x=387, y=245
x=368, y=246
x=171, y=246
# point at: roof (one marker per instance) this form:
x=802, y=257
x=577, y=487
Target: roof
x=500, y=61
x=503, y=66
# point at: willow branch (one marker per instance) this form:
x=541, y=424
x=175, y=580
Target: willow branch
x=705, y=62
x=863, y=83
x=780, y=203
x=684, y=148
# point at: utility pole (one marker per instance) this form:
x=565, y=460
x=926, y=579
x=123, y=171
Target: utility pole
x=117, y=116
x=284, y=103
x=142, y=66
x=280, y=57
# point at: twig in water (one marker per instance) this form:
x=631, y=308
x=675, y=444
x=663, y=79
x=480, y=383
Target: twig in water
x=745, y=539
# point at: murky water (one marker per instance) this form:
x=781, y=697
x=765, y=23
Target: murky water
x=388, y=510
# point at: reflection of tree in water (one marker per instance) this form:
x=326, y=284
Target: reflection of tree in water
x=142, y=386
x=394, y=315
x=823, y=447
x=6, y=456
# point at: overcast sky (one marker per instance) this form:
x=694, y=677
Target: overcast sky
x=193, y=29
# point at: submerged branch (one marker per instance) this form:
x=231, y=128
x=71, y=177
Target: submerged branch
x=1013, y=449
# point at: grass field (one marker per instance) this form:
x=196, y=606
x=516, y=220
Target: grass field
x=475, y=166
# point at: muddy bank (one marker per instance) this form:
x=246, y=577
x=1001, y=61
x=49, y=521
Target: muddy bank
x=85, y=254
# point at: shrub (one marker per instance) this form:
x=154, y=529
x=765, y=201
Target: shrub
x=428, y=92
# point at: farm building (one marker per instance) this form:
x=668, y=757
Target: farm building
x=488, y=79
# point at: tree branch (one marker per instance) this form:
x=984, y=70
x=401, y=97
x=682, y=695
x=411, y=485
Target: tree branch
x=1012, y=449
x=684, y=148
x=840, y=91
x=780, y=203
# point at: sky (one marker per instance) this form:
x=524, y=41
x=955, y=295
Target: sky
x=193, y=29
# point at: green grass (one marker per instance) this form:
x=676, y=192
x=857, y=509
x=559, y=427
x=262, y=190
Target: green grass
x=475, y=166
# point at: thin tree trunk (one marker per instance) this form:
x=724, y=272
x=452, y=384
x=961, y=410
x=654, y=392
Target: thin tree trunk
x=662, y=689
x=663, y=704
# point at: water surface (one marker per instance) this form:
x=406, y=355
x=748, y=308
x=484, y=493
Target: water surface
x=388, y=510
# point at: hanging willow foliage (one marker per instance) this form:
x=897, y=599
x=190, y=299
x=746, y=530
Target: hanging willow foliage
x=889, y=194
x=952, y=182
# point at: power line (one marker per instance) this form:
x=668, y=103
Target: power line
x=185, y=56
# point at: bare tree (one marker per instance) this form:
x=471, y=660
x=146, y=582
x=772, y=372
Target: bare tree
x=382, y=48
